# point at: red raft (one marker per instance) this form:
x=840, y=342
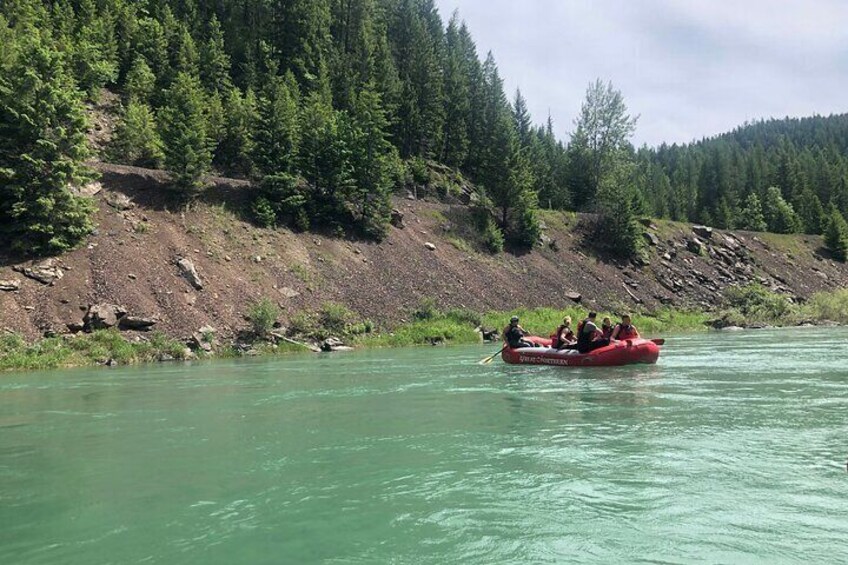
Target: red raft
x=627, y=352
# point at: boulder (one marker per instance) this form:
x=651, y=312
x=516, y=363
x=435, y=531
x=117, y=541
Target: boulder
x=397, y=219
x=189, y=272
x=203, y=339
x=490, y=334
x=334, y=344
x=103, y=316
x=703, y=232
x=136, y=323
x=429, y=246
x=574, y=296
x=10, y=285
x=651, y=239
x=289, y=292
x=75, y=327
x=45, y=272
x=118, y=201
x=695, y=246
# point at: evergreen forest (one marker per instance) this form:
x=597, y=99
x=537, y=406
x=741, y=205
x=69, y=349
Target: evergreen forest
x=331, y=106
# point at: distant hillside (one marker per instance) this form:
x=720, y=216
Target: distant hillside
x=724, y=180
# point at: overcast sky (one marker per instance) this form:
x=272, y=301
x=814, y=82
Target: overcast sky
x=689, y=68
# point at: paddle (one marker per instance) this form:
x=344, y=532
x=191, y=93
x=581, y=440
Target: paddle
x=488, y=360
x=659, y=341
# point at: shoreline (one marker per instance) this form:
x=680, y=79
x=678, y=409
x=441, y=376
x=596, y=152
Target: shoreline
x=429, y=327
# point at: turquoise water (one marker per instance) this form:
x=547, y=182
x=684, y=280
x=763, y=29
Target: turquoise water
x=731, y=450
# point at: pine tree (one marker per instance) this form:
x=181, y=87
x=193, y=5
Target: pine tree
x=277, y=134
x=324, y=161
x=752, y=218
x=779, y=214
x=836, y=235
x=523, y=123
x=42, y=154
x=417, y=45
x=236, y=148
x=183, y=127
x=95, y=53
x=374, y=163
x=300, y=31
x=214, y=60
x=140, y=81
x=811, y=212
x=457, y=98
x=136, y=141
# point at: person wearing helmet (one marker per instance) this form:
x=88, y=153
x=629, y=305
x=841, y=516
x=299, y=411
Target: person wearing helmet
x=514, y=335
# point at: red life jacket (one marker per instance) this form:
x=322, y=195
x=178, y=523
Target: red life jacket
x=627, y=332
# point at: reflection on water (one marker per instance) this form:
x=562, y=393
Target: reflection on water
x=731, y=449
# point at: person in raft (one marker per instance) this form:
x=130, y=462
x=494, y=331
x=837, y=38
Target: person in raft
x=606, y=328
x=589, y=337
x=563, y=336
x=625, y=330
x=514, y=335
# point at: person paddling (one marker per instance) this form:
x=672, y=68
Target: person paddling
x=625, y=330
x=514, y=335
x=589, y=337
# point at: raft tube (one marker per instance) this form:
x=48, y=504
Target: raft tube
x=626, y=352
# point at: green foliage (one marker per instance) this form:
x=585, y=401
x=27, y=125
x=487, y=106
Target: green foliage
x=830, y=306
x=263, y=315
x=282, y=198
x=836, y=235
x=140, y=81
x=752, y=217
x=811, y=213
x=277, y=134
x=136, y=141
x=84, y=349
x=618, y=230
x=779, y=214
x=600, y=140
x=373, y=162
x=42, y=154
x=756, y=304
x=493, y=238
x=235, y=150
x=183, y=127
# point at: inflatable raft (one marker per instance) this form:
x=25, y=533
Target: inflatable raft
x=627, y=352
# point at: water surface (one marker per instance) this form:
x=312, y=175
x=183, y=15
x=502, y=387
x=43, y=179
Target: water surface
x=732, y=449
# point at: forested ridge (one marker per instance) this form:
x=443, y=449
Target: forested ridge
x=330, y=106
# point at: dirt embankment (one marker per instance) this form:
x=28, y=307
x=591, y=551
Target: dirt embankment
x=132, y=261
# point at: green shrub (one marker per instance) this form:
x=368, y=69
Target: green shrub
x=493, y=238
x=465, y=316
x=757, y=304
x=334, y=318
x=836, y=235
x=264, y=213
x=831, y=306
x=262, y=315
x=427, y=310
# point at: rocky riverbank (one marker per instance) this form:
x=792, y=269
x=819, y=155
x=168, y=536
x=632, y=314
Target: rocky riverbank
x=153, y=265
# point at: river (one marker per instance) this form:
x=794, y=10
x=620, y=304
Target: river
x=731, y=450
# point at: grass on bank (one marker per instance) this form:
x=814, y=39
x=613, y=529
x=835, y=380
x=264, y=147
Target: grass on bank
x=85, y=349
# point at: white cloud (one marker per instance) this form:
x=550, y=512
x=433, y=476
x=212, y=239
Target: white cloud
x=690, y=68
